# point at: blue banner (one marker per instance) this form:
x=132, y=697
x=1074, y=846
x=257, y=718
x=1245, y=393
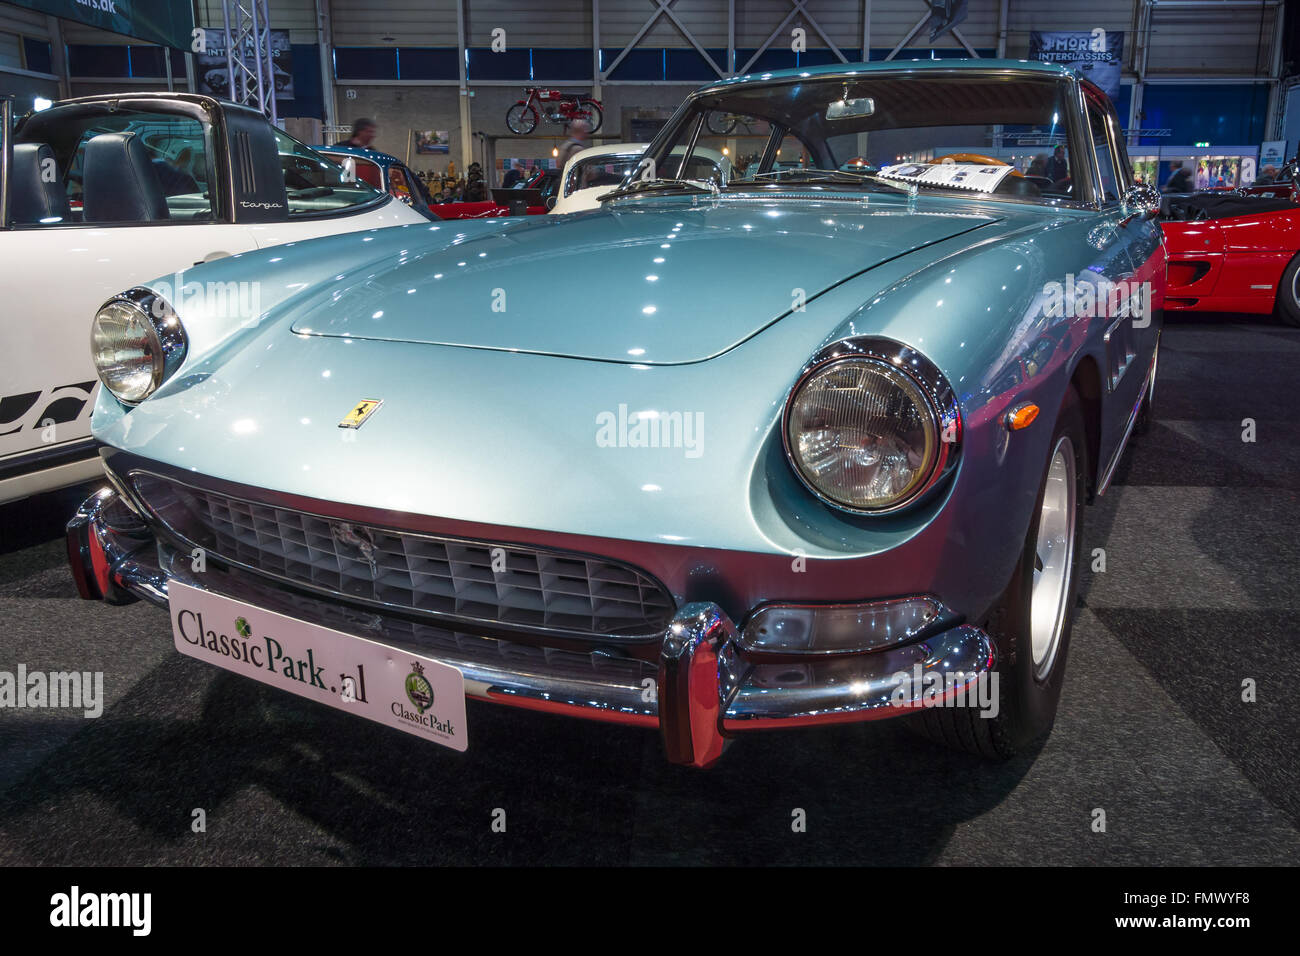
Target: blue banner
x=158, y=21
x=1097, y=54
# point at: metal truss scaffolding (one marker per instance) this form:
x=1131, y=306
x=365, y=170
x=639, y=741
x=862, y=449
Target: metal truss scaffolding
x=248, y=54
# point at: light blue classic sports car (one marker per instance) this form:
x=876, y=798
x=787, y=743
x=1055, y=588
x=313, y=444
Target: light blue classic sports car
x=808, y=447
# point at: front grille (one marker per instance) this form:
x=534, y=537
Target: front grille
x=476, y=581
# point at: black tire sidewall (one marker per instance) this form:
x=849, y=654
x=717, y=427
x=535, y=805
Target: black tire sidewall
x=1288, y=308
x=1028, y=706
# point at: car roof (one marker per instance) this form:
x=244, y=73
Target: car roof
x=365, y=152
x=973, y=64
x=609, y=149
x=196, y=99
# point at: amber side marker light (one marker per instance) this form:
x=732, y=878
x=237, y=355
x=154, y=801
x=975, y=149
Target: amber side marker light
x=1022, y=416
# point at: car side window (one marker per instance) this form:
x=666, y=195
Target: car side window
x=739, y=138
x=357, y=168
x=550, y=184
x=791, y=153
x=398, y=186
x=418, y=190
x=1110, y=179
x=1123, y=164
x=128, y=167
x=370, y=173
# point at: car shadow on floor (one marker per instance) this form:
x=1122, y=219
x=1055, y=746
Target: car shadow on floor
x=287, y=781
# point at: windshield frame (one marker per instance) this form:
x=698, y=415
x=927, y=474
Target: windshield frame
x=1072, y=96
x=381, y=196
x=579, y=162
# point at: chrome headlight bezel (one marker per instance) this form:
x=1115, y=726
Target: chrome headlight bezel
x=167, y=339
x=923, y=375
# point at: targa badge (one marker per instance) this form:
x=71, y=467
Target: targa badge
x=418, y=689
x=364, y=409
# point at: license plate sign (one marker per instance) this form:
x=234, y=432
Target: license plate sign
x=381, y=683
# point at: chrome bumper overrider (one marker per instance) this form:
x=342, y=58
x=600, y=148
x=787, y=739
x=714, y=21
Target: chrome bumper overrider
x=702, y=690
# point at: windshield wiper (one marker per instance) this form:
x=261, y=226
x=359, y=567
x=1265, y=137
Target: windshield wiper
x=639, y=186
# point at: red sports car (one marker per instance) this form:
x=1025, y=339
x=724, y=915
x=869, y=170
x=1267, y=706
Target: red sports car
x=1233, y=253
x=1284, y=186
x=532, y=198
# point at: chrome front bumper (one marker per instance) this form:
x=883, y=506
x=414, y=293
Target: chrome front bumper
x=702, y=690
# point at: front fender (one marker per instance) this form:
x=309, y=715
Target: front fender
x=990, y=316
x=224, y=303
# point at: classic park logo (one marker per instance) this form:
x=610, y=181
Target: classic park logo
x=419, y=691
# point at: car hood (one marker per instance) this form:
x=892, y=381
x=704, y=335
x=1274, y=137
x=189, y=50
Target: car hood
x=655, y=282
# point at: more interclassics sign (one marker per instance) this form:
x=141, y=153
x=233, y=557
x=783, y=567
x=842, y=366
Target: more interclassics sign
x=1098, y=55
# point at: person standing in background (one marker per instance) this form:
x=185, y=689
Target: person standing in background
x=364, y=132
x=1180, y=179
x=1058, y=168
x=579, y=130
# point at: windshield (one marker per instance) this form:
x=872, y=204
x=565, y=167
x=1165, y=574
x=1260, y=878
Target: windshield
x=607, y=170
x=996, y=134
x=315, y=184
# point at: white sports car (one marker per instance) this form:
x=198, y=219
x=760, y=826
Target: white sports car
x=103, y=192
x=594, y=172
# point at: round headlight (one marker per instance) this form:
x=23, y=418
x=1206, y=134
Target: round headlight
x=865, y=435
x=136, y=341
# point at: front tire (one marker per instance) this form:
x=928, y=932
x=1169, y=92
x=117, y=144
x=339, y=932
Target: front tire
x=521, y=118
x=1032, y=621
x=1288, y=294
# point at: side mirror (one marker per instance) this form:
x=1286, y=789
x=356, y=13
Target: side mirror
x=1141, y=201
